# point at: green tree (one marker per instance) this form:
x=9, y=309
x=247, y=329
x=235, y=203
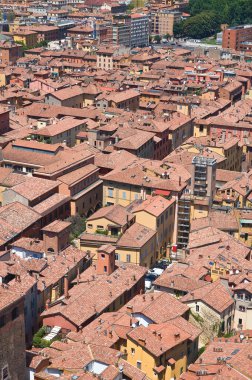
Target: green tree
x=178, y=29
x=157, y=38
x=77, y=227
x=201, y=25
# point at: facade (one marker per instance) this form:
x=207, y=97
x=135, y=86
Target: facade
x=160, y=351
x=121, y=33
x=203, y=178
x=139, y=30
x=84, y=188
x=4, y=121
x=12, y=336
x=158, y=214
x=67, y=97
x=212, y=307
x=163, y=22
x=10, y=53
x=236, y=37
x=243, y=306
x=26, y=37
x=63, y=131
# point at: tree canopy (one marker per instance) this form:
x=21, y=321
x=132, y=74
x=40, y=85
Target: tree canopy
x=207, y=17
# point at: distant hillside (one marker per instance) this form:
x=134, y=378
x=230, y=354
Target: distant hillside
x=208, y=15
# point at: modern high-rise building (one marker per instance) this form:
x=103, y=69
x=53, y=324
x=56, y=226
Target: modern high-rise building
x=121, y=30
x=140, y=31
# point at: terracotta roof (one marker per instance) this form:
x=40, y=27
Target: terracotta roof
x=225, y=221
x=159, y=338
x=61, y=126
x=159, y=307
x=76, y=176
x=51, y=203
x=85, y=298
x=215, y=295
x=115, y=213
x=136, y=236
x=67, y=93
x=34, y=187
x=154, y=205
x=14, y=219
x=57, y=226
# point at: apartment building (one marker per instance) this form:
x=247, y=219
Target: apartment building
x=234, y=38
x=163, y=22
x=140, y=32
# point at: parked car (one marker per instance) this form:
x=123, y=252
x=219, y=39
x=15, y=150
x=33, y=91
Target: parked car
x=157, y=271
x=149, y=279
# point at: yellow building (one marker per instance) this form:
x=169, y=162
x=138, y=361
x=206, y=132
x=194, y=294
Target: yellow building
x=236, y=193
x=26, y=37
x=135, y=243
x=161, y=350
x=135, y=183
x=157, y=213
x=228, y=149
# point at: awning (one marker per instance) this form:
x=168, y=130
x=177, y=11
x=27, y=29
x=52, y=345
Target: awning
x=165, y=193
x=247, y=221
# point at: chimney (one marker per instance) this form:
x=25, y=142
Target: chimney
x=177, y=335
x=110, y=334
x=159, y=336
x=66, y=286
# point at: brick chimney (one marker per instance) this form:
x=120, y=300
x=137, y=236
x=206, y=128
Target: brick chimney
x=105, y=260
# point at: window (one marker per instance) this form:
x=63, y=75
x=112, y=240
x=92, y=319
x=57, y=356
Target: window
x=128, y=258
x=100, y=227
x=139, y=364
x=110, y=192
x=117, y=256
x=105, y=269
x=133, y=351
x=14, y=313
x=103, y=256
x=240, y=296
x=90, y=226
x=124, y=195
x=136, y=196
x=5, y=373
x=197, y=308
x=247, y=298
